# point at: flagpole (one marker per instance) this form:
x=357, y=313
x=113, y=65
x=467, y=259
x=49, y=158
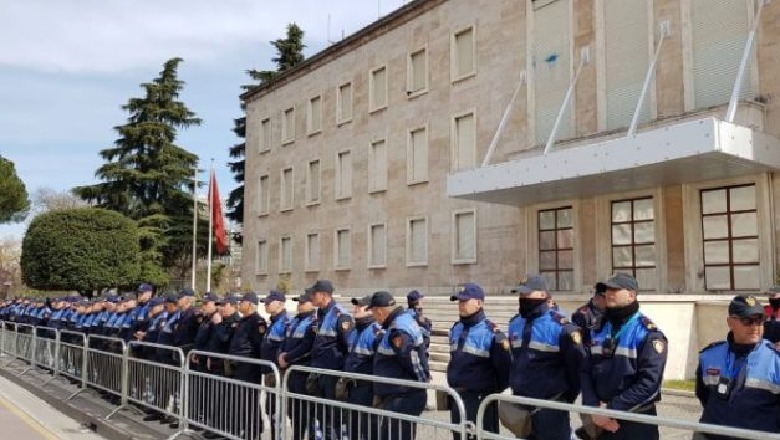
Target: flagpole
x=211, y=225
x=194, y=228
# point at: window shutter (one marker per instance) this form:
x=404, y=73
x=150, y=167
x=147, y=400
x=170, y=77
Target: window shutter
x=379, y=88
x=464, y=42
x=419, y=244
x=377, y=245
x=466, y=142
x=379, y=162
x=419, y=155
x=345, y=102
x=552, y=67
x=466, y=249
x=418, y=71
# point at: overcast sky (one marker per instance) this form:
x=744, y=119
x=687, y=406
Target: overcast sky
x=66, y=67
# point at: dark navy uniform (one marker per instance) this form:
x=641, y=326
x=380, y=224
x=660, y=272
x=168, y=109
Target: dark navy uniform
x=364, y=341
x=247, y=342
x=401, y=354
x=270, y=352
x=297, y=351
x=625, y=371
x=548, y=355
x=587, y=318
x=479, y=366
x=772, y=324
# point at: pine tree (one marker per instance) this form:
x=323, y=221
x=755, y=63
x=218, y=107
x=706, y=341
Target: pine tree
x=289, y=53
x=147, y=177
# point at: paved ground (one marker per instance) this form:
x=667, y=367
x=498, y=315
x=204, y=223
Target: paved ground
x=25, y=417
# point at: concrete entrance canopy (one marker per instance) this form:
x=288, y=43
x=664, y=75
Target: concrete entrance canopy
x=686, y=152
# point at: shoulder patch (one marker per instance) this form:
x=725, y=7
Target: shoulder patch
x=398, y=341
x=648, y=323
x=659, y=345
x=261, y=329
x=576, y=337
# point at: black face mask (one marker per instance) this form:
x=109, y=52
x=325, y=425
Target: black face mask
x=617, y=315
x=774, y=303
x=529, y=305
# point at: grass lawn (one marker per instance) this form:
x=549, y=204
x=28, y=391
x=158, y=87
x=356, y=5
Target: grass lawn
x=682, y=385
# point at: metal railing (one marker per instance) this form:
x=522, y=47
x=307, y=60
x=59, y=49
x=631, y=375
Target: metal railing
x=240, y=398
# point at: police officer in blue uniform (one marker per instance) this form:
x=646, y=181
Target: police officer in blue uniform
x=548, y=355
x=415, y=308
x=247, y=342
x=360, y=359
x=628, y=357
x=400, y=354
x=737, y=380
x=479, y=358
x=296, y=350
x=274, y=306
x=590, y=315
x=772, y=315
x=330, y=348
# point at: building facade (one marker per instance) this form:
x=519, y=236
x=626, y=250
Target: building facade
x=440, y=145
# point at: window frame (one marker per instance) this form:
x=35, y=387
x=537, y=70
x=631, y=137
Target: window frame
x=285, y=138
x=372, y=107
x=313, y=201
x=284, y=206
x=455, y=75
x=410, y=178
x=632, y=222
x=264, y=196
x=455, y=140
x=263, y=144
x=538, y=212
x=454, y=237
x=310, y=129
x=409, y=220
x=411, y=94
x=371, y=244
x=282, y=269
x=340, y=119
x=338, y=191
x=373, y=188
x=336, y=248
x=261, y=258
x=308, y=267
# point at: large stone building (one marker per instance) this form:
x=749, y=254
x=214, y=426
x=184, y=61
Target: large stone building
x=379, y=162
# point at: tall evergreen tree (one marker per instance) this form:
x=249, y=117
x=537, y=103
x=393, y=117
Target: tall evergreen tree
x=147, y=177
x=289, y=53
x=14, y=202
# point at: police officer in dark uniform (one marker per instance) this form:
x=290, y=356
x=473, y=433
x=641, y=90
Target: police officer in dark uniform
x=274, y=306
x=479, y=358
x=772, y=316
x=201, y=396
x=330, y=347
x=589, y=316
x=187, y=327
x=548, y=355
x=360, y=359
x=400, y=354
x=166, y=335
x=737, y=380
x=296, y=350
x=628, y=357
x=415, y=308
x=247, y=342
x=149, y=332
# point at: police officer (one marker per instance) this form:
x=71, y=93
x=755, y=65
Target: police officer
x=479, y=358
x=296, y=350
x=628, y=357
x=247, y=342
x=274, y=306
x=589, y=316
x=206, y=326
x=360, y=359
x=330, y=347
x=187, y=327
x=400, y=354
x=166, y=336
x=150, y=333
x=413, y=299
x=736, y=379
x=772, y=315
x=548, y=355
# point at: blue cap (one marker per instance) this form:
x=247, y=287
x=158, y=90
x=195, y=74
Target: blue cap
x=322, y=286
x=305, y=296
x=381, y=299
x=209, y=296
x=744, y=306
x=622, y=281
x=144, y=288
x=172, y=298
x=156, y=301
x=469, y=291
x=414, y=296
x=363, y=302
x=532, y=283
x=112, y=299
x=250, y=297
x=274, y=296
x=186, y=292
x=229, y=299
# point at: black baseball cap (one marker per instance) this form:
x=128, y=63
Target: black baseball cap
x=305, y=296
x=381, y=299
x=622, y=280
x=362, y=302
x=322, y=286
x=250, y=297
x=532, y=283
x=743, y=306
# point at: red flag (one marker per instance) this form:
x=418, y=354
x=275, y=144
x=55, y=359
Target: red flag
x=216, y=212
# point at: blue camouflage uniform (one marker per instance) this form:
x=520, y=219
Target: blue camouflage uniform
x=401, y=354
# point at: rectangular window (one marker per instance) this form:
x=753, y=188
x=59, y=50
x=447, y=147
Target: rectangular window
x=463, y=54
x=378, y=89
x=314, y=115
x=464, y=142
x=417, y=156
x=464, y=237
x=344, y=103
x=730, y=234
x=633, y=240
x=313, y=180
x=343, y=175
x=627, y=44
x=263, y=196
x=287, y=194
x=343, y=248
x=261, y=261
x=417, y=73
x=285, y=255
x=718, y=40
x=313, y=252
x=264, y=136
x=551, y=54
x=288, y=126
x=377, y=245
x=377, y=166
x=556, y=248
x=417, y=242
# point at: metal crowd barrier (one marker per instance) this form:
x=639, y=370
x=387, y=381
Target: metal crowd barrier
x=693, y=427
x=72, y=360
x=24, y=345
x=230, y=407
x=106, y=369
x=354, y=417
x=154, y=378
x=46, y=352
